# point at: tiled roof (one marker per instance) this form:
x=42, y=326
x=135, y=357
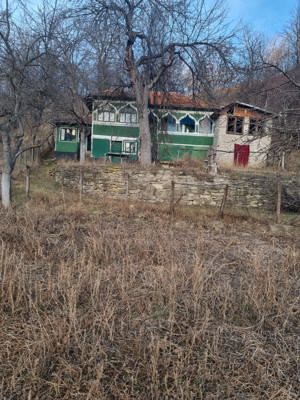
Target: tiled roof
x=178, y=100
x=160, y=99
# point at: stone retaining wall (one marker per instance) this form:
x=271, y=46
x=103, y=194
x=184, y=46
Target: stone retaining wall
x=154, y=185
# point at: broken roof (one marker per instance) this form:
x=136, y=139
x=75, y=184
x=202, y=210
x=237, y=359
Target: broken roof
x=178, y=101
x=243, y=105
x=167, y=100
x=175, y=101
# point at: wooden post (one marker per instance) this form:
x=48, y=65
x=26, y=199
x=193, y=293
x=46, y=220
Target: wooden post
x=223, y=203
x=27, y=181
x=172, y=199
x=212, y=165
x=278, y=203
x=283, y=160
x=82, y=145
x=80, y=184
x=127, y=184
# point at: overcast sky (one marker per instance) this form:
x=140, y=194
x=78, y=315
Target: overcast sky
x=267, y=16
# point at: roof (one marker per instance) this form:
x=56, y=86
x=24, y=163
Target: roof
x=113, y=94
x=244, y=105
x=65, y=118
x=178, y=101
x=168, y=100
x=175, y=101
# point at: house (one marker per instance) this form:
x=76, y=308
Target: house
x=242, y=135
x=68, y=134
x=181, y=127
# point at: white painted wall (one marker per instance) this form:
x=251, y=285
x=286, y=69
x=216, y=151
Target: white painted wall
x=224, y=144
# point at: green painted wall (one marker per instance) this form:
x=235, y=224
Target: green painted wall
x=170, y=146
x=100, y=147
x=63, y=146
x=173, y=152
x=67, y=147
x=185, y=139
x=114, y=130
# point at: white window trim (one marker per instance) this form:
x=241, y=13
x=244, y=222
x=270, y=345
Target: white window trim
x=68, y=141
x=129, y=142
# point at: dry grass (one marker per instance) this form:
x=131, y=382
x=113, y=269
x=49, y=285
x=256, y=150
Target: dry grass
x=102, y=301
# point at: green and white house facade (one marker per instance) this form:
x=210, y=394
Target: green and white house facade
x=177, y=132
x=180, y=127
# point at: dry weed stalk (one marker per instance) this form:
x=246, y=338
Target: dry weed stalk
x=119, y=304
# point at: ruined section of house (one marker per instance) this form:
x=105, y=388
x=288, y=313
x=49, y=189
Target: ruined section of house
x=242, y=135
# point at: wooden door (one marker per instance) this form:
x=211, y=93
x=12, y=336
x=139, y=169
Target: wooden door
x=241, y=154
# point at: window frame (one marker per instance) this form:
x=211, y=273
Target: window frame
x=72, y=129
x=164, y=123
x=128, y=117
x=129, y=143
x=183, y=128
x=259, y=126
x=203, y=131
x=106, y=114
x=235, y=119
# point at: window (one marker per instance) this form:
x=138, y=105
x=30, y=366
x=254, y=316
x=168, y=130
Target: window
x=235, y=125
x=205, y=126
x=130, y=147
x=106, y=114
x=187, y=124
x=168, y=123
x=128, y=115
x=256, y=126
x=68, y=134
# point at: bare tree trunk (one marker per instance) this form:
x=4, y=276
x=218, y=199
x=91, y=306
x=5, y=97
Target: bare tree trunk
x=142, y=97
x=38, y=160
x=82, y=145
x=278, y=202
x=145, y=157
x=145, y=134
x=27, y=181
x=6, y=172
x=6, y=188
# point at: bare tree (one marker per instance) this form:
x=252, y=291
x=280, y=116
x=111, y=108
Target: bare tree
x=153, y=35
x=292, y=37
x=23, y=52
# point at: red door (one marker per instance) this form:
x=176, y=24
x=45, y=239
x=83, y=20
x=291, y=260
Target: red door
x=241, y=154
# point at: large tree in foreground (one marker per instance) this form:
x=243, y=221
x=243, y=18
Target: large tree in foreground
x=25, y=47
x=153, y=35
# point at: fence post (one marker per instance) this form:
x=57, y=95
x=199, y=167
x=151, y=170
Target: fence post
x=27, y=181
x=278, y=202
x=80, y=184
x=127, y=184
x=172, y=199
x=221, y=212
x=212, y=165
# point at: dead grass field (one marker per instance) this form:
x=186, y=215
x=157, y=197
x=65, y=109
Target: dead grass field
x=117, y=301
